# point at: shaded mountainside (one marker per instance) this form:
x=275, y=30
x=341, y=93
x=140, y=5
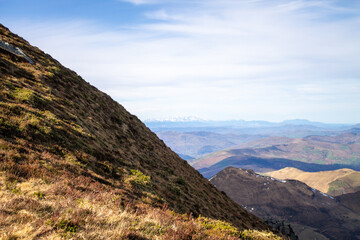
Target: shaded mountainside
x=74, y=161
x=290, y=200
x=334, y=183
x=351, y=201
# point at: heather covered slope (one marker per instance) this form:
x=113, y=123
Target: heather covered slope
x=73, y=161
x=293, y=201
x=334, y=182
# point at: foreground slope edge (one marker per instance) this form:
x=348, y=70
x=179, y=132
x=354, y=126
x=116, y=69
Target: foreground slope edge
x=71, y=155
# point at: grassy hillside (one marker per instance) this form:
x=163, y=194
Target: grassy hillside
x=75, y=164
x=334, y=182
x=349, y=183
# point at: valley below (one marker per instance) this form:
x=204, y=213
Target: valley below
x=313, y=214
x=307, y=177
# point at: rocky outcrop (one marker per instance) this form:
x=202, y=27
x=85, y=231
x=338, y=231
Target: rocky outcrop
x=283, y=227
x=15, y=50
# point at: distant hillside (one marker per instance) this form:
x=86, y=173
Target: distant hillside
x=198, y=137
x=313, y=153
x=263, y=165
x=196, y=144
x=334, y=183
x=315, y=215
x=76, y=165
x=190, y=122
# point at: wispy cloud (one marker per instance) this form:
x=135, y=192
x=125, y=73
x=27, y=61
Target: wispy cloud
x=250, y=59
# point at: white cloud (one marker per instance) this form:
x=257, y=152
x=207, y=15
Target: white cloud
x=247, y=59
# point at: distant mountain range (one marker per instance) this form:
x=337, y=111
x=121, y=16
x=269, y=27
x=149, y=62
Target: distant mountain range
x=188, y=122
x=313, y=214
x=312, y=153
x=196, y=138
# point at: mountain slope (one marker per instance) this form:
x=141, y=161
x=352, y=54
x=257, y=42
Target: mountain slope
x=350, y=200
x=73, y=161
x=291, y=200
x=334, y=182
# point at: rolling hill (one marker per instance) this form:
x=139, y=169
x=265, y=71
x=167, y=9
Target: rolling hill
x=334, y=183
x=197, y=138
x=314, y=214
x=312, y=153
x=199, y=143
x=75, y=164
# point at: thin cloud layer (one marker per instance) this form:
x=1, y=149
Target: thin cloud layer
x=270, y=60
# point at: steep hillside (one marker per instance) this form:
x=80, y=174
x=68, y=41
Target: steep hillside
x=334, y=182
x=74, y=163
x=290, y=200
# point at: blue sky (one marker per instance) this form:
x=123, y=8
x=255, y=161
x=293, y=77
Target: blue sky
x=213, y=59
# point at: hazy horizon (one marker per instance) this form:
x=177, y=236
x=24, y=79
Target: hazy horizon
x=195, y=119
x=220, y=60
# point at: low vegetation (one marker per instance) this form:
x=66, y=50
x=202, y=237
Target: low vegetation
x=85, y=209
x=74, y=164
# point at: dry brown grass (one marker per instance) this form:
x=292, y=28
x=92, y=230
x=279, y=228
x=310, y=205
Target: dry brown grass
x=323, y=180
x=34, y=209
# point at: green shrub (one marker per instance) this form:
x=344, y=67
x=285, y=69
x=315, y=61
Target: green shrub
x=23, y=94
x=174, y=189
x=258, y=235
x=180, y=181
x=139, y=179
x=218, y=225
x=67, y=225
x=39, y=194
x=11, y=186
